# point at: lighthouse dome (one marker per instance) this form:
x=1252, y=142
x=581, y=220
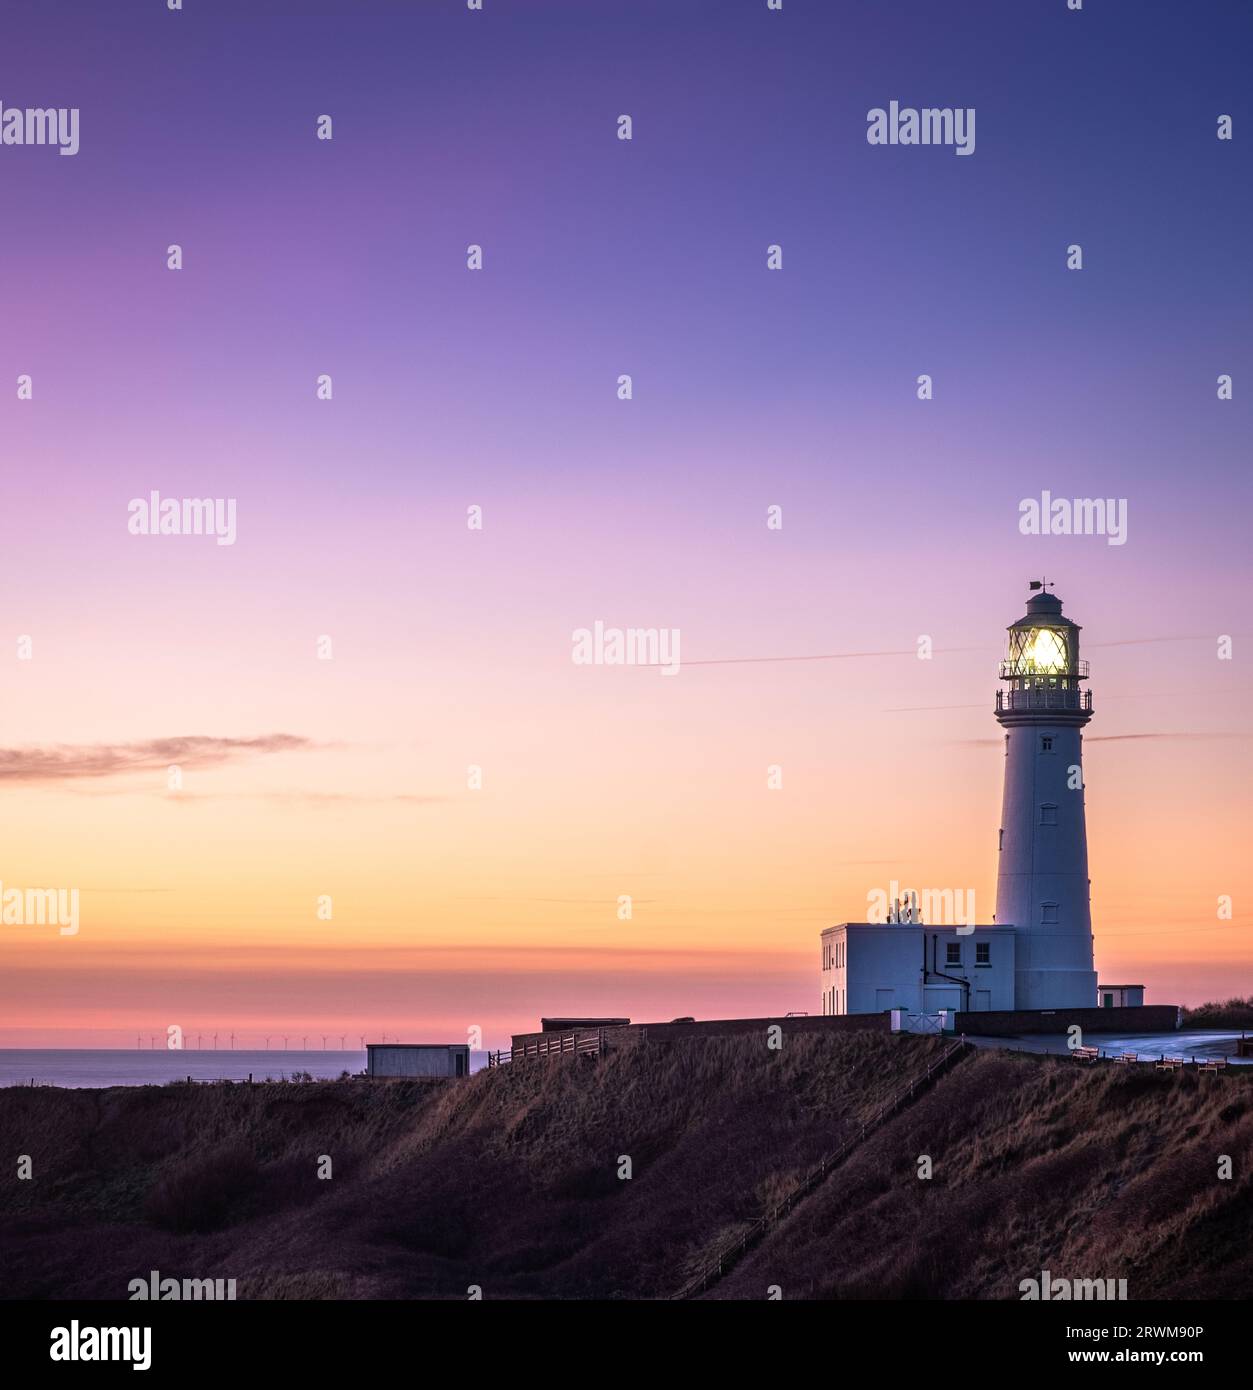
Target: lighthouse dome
x=1044, y=603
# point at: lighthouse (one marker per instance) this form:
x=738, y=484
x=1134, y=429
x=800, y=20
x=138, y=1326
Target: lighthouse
x=1042, y=888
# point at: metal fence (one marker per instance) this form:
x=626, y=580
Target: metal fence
x=581, y=1044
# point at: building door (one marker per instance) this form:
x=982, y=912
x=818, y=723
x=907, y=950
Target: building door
x=983, y=1000
x=1107, y=1001
x=937, y=997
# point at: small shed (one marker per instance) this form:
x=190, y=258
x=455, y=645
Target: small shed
x=437, y=1060
x=1120, y=996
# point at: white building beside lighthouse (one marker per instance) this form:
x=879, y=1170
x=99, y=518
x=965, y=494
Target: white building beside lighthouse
x=1037, y=953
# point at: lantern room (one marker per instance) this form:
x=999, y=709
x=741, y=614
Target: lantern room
x=1042, y=665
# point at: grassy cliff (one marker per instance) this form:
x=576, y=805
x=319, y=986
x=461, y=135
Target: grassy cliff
x=510, y=1180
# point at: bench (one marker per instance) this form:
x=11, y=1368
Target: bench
x=1128, y=1059
x=1086, y=1054
x=1169, y=1064
x=1214, y=1064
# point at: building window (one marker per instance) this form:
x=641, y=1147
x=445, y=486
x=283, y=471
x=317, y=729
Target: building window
x=1048, y=914
x=1046, y=743
x=1000, y=844
x=1048, y=814
x=953, y=953
x=983, y=953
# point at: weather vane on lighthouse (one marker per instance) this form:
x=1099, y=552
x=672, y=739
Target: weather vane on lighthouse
x=1045, y=584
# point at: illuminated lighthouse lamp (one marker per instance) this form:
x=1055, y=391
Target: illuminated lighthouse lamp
x=1043, y=649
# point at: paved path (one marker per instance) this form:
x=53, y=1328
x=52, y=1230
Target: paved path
x=1147, y=1046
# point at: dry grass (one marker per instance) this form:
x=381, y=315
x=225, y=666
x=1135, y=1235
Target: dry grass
x=1230, y=1013
x=509, y=1180
x=1038, y=1164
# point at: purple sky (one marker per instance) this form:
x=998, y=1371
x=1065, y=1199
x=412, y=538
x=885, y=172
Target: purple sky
x=498, y=388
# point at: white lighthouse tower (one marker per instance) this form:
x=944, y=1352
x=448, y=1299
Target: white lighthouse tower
x=1042, y=888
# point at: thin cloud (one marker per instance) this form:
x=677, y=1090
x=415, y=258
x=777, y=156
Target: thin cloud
x=822, y=656
x=915, y=709
x=1119, y=738
x=1140, y=641
x=1106, y=738
x=68, y=762
x=912, y=651
x=313, y=800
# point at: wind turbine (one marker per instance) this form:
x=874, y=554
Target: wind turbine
x=284, y=1042
x=268, y=1036
x=232, y=1042
x=215, y=1042
x=198, y=1037
x=304, y=1047
x=323, y=1042
x=152, y=1041
x=342, y=1036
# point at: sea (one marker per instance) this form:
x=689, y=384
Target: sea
x=96, y=1067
